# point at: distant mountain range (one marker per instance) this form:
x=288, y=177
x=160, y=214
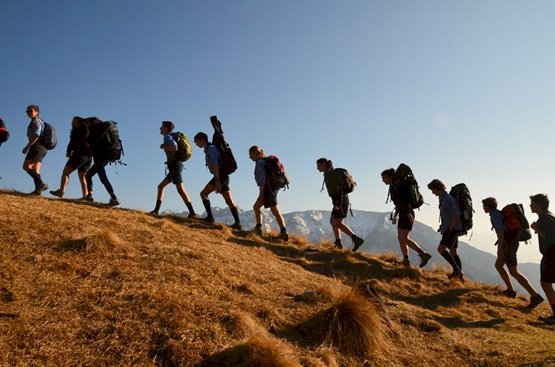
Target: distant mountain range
x=381, y=236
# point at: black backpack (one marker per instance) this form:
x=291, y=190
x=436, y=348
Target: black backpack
x=108, y=145
x=4, y=133
x=49, y=138
x=462, y=196
x=339, y=181
x=404, y=189
x=275, y=173
x=228, y=164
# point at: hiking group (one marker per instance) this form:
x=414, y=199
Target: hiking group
x=94, y=140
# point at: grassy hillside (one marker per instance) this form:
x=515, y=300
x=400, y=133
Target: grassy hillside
x=84, y=285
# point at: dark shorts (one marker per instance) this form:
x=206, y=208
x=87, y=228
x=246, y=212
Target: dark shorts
x=36, y=153
x=175, y=170
x=508, y=253
x=450, y=239
x=547, y=265
x=340, y=206
x=406, y=218
x=224, y=180
x=81, y=163
x=269, y=198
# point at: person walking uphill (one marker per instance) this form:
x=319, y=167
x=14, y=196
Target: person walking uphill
x=219, y=182
x=340, y=201
x=35, y=151
x=174, y=161
x=545, y=228
x=507, y=247
x=404, y=217
x=267, y=196
x=450, y=227
x=79, y=157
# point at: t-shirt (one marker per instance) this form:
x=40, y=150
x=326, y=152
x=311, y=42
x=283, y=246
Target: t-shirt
x=546, y=225
x=497, y=220
x=35, y=128
x=212, y=155
x=169, y=141
x=260, y=173
x=448, y=209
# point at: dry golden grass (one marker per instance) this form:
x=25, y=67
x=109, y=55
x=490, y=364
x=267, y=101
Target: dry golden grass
x=83, y=285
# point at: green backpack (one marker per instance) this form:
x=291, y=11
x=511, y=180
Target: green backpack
x=184, y=148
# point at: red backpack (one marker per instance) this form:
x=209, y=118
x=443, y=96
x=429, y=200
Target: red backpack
x=517, y=225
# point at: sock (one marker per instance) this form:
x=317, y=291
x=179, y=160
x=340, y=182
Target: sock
x=447, y=256
x=458, y=261
x=113, y=196
x=206, y=204
x=235, y=214
x=338, y=241
x=420, y=251
x=190, y=208
x=36, y=178
x=258, y=225
x=283, y=229
x=158, y=204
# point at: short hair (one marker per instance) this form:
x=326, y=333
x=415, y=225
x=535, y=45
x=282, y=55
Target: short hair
x=33, y=107
x=436, y=185
x=256, y=149
x=169, y=125
x=327, y=162
x=390, y=172
x=201, y=136
x=540, y=199
x=490, y=202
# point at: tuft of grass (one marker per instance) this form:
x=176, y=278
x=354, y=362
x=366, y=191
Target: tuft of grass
x=242, y=325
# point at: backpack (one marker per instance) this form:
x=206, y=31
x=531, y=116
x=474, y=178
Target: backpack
x=184, y=149
x=339, y=181
x=516, y=222
x=228, y=164
x=462, y=196
x=49, y=137
x=108, y=146
x=404, y=181
x=276, y=175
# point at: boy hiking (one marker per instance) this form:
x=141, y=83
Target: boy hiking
x=404, y=216
x=96, y=129
x=79, y=157
x=545, y=228
x=450, y=227
x=507, y=247
x=340, y=201
x=175, y=169
x=34, y=151
x=267, y=196
x=219, y=182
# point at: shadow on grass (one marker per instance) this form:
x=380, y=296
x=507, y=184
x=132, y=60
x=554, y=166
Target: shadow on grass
x=457, y=322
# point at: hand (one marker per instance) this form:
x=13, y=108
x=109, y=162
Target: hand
x=218, y=187
x=534, y=226
x=161, y=146
x=68, y=154
x=394, y=220
x=25, y=149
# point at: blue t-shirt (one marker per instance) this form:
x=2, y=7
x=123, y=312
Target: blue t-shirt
x=448, y=210
x=35, y=128
x=497, y=220
x=169, y=141
x=212, y=155
x=260, y=173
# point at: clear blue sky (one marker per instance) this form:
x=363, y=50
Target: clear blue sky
x=461, y=91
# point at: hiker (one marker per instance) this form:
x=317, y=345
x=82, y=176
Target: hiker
x=545, y=228
x=267, y=196
x=403, y=215
x=79, y=157
x=450, y=227
x=34, y=150
x=219, y=182
x=340, y=201
x=96, y=129
x=175, y=169
x=507, y=247
x=4, y=133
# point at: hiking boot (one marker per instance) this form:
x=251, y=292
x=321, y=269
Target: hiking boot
x=357, y=241
x=257, y=230
x=154, y=212
x=113, y=202
x=534, y=301
x=59, y=193
x=284, y=236
x=509, y=293
x=456, y=274
x=406, y=261
x=549, y=320
x=89, y=198
x=40, y=189
x=424, y=258
x=236, y=226
x=210, y=220
x=192, y=216
x=338, y=245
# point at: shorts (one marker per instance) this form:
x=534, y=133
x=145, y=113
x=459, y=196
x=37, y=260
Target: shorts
x=449, y=239
x=36, y=153
x=340, y=206
x=406, y=218
x=547, y=265
x=507, y=252
x=224, y=181
x=175, y=169
x=81, y=163
x=269, y=198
